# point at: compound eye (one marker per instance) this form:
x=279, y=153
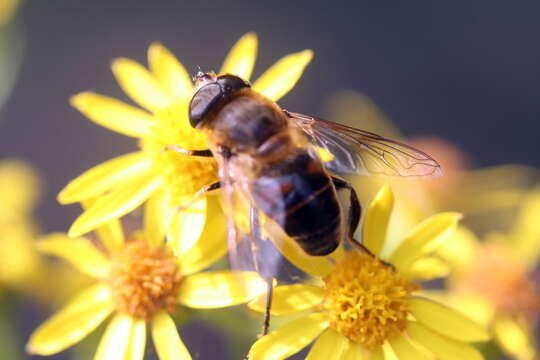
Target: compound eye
x=202, y=102
x=231, y=82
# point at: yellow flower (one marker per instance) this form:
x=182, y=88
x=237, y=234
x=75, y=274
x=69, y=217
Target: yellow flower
x=139, y=281
x=19, y=188
x=165, y=178
x=365, y=308
x=494, y=280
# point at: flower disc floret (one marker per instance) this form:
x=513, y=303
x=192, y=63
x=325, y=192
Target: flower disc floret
x=366, y=299
x=144, y=280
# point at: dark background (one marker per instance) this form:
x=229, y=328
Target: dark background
x=466, y=71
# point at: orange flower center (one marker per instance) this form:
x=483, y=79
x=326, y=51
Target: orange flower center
x=144, y=280
x=501, y=276
x=366, y=299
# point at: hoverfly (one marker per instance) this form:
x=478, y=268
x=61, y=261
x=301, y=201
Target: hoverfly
x=268, y=156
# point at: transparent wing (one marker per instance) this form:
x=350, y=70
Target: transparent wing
x=361, y=152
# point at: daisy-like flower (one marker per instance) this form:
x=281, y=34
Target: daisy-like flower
x=365, y=308
x=495, y=280
x=139, y=282
x=165, y=178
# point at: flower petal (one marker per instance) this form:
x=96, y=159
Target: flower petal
x=137, y=341
x=80, y=252
x=105, y=176
x=169, y=345
x=74, y=322
x=213, y=242
x=157, y=217
x=443, y=348
x=425, y=238
x=404, y=350
x=140, y=85
x=329, y=346
x=113, y=114
x=116, y=203
x=526, y=228
x=114, y=344
x=446, y=321
x=514, y=338
x=290, y=298
x=241, y=57
x=355, y=351
x=283, y=75
x=377, y=219
x=318, y=266
x=289, y=339
x=169, y=71
x=110, y=233
x=220, y=288
x=186, y=226
x=427, y=268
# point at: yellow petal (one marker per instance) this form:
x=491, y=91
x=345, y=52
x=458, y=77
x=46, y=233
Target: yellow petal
x=425, y=238
x=115, y=204
x=461, y=249
x=220, y=288
x=289, y=339
x=329, y=346
x=114, y=344
x=318, y=266
x=140, y=85
x=113, y=114
x=514, y=338
x=427, y=268
x=526, y=230
x=241, y=57
x=213, y=242
x=377, y=219
x=443, y=348
x=137, y=341
x=355, y=351
x=80, y=252
x=169, y=71
x=446, y=321
x=186, y=227
x=169, y=345
x=283, y=75
x=74, y=322
x=404, y=350
x=110, y=233
x=104, y=177
x=157, y=217
x=290, y=298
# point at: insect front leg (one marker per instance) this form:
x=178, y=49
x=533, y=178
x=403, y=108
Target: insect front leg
x=180, y=150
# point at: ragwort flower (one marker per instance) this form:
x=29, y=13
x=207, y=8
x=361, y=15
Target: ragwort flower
x=139, y=282
x=365, y=308
x=166, y=178
x=495, y=280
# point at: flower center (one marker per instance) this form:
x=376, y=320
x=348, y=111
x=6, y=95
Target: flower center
x=184, y=175
x=500, y=275
x=144, y=280
x=366, y=299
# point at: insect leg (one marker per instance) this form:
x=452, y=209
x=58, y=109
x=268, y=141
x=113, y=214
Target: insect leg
x=206, y=189
x=178, y=149
x=255, y=250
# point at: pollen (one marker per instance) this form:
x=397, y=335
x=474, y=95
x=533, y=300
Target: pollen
x=500, y=275
x=144, y=280
x=366, y=299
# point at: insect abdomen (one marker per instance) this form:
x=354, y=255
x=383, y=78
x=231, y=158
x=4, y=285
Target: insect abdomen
x=300, y=196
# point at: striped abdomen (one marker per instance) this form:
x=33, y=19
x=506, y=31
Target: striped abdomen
x=300, y=196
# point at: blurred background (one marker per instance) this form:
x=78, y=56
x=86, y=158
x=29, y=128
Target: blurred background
x=466, y=72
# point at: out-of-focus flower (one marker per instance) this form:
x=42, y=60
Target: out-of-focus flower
x=166, y=179
x=139, y=282
x=495, y=280
x=8, y=9
x=369, y=308
x=19, y=189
